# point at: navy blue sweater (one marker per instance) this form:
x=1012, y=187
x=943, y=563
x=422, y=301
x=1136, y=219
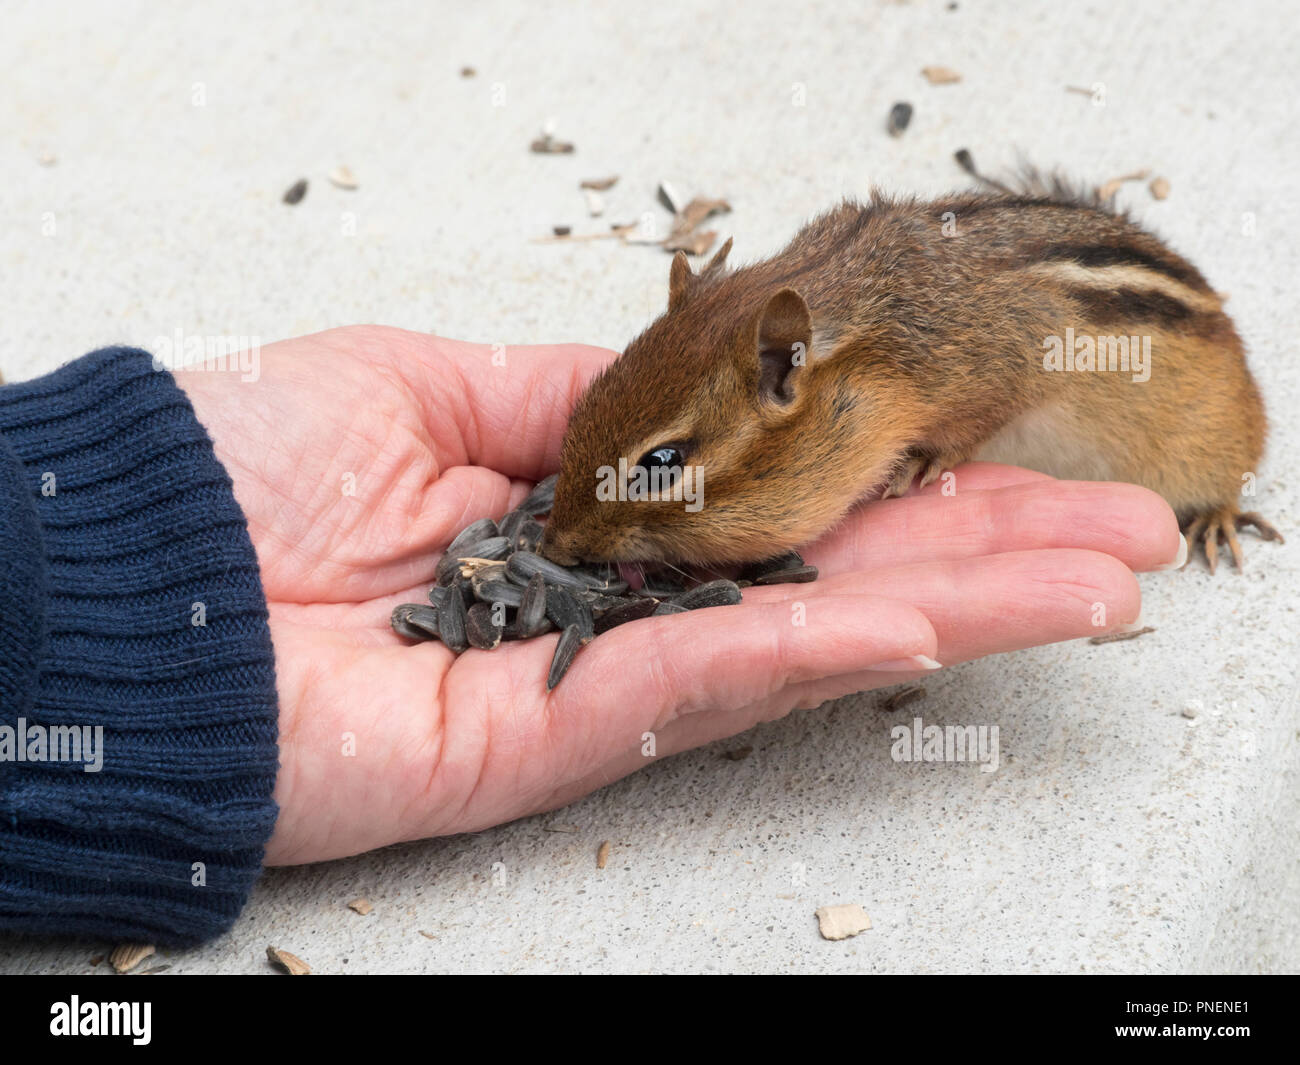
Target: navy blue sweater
x=131, y=610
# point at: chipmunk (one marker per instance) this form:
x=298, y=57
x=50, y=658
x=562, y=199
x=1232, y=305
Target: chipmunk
x=895, y=339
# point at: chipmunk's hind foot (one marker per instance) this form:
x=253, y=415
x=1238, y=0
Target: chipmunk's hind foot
x=1220, y=526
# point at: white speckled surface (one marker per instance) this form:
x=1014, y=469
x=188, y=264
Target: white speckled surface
x=1117, y=835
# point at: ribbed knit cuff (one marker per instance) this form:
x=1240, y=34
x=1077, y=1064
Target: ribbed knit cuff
x=146, y=619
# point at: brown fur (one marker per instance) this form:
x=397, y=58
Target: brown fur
x=924, y=349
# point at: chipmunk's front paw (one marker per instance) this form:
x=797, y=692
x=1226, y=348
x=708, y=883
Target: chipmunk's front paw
x=1221, y=525
x=927, y=467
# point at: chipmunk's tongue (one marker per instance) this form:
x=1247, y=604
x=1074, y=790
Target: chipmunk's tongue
x=631, y=573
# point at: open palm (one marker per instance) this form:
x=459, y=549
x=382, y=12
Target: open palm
x=358, y=454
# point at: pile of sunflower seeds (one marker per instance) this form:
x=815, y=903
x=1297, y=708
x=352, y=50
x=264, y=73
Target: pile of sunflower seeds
x=493, y=586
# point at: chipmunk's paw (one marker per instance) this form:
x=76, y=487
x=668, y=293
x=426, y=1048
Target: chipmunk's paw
x=1220, y=526
x=927, y=467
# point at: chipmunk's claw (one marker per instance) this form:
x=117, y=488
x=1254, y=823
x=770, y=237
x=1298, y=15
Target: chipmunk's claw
x=1220, y=526
x=927, y=467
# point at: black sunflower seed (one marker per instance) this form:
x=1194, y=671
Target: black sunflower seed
x=797, y=575
x=511, y=522
x=479, y=530
x=631, y=610
x=669, y=607
x=714, y=593
x=540, y=499
x=493, y=548
x=481, y=626
x=531, y=619
x=565, y=650
x=522, y=566
x=529, y=536
x=415, y=621
x=786, y=561
x=899, y=116
x=498, y=592
x=565, y=609
x=661, y=588
x=451, y=624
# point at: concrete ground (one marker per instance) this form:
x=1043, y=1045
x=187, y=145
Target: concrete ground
x=1117, y=834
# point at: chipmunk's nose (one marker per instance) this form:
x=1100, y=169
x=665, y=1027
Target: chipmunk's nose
x=557, y=546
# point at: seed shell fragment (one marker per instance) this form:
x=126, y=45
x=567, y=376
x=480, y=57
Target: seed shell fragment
x=290, y=963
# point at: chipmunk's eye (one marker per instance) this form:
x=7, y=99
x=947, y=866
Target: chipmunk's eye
x=668, y=459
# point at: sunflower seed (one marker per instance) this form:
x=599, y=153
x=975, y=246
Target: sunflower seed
x=404, y=621
x=661, y=588
x=601, y=578
x=565, y=650
x=899, y=117
x=448, y=570
x=788, y=560
x=462, y=587
x=798, y=575
x=512, y=631
x=424, y=618
x=531, y=619
x=714, y=593
x=523, y=565
x=481, y=627
x=482, y=529
x=510, y=524
x=630, y=610
x=493, y=548
x=602, y=604
x=529, y=536
x=295, y=192
x=451, y=624
x=498, y=592
x=669, y=607
x=565, y=609
x=540, y=499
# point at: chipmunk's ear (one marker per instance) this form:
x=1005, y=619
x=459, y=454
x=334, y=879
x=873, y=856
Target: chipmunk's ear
x=784, y=337
x=716, y=263
x=680, y=280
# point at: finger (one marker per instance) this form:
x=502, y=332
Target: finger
x=1003, y=602
x=1129, y=522
x=980, y=477
x=513, y=743
x=978, y=607
x=508, y=403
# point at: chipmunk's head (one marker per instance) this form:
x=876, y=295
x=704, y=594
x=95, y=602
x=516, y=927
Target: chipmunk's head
x=705, y=441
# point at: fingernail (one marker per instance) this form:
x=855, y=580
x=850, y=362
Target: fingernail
x=915, y=664
x=1181, y=558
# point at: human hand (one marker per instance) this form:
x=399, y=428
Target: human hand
x=359, y=453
